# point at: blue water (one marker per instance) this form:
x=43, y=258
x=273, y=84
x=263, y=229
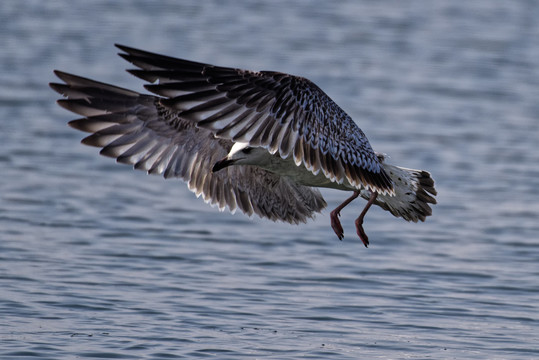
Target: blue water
x=100, y=261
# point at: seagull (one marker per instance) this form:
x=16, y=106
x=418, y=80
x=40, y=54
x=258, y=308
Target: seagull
x=259, y=141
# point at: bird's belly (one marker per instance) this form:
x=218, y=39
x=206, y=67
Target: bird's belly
x=301, y=175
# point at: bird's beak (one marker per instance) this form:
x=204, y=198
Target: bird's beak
x=221, y=164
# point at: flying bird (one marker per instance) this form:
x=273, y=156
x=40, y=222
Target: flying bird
x=259, y=141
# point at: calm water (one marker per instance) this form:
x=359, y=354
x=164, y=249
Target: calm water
x=100, y=261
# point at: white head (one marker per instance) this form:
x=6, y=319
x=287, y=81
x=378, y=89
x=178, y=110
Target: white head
x=241, y=154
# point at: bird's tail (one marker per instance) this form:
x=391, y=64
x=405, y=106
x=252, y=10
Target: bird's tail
x=414, y=191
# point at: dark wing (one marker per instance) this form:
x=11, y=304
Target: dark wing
x=136, y=129
x=285, y=114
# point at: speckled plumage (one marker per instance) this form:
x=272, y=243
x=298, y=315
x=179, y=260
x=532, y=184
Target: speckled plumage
x=280, y=112
x=135, y=129
x=201, y=110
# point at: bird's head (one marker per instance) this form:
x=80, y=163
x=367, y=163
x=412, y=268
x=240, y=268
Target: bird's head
x=240, y=154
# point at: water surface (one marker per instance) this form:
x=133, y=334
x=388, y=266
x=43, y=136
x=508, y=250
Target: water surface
x=100, y=261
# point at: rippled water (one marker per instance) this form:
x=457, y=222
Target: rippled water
x=100, y=261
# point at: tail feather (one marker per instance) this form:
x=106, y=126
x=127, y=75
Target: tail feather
x=414, y=191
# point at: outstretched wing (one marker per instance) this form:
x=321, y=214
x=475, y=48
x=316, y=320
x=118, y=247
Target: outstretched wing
x=137, y=129
x=285, y=114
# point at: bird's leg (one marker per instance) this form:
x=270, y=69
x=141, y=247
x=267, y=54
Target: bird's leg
x=334, y=216
x=359, y=221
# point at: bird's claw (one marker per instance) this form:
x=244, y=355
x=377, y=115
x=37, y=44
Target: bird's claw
x=336, y=225
x=361, y=233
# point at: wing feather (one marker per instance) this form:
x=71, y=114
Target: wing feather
x=263, y=108
x=139, y=130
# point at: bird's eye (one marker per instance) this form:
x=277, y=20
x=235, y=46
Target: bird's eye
x=247, y=150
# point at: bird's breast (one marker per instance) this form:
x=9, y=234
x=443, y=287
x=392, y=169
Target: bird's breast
x=300, y=174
